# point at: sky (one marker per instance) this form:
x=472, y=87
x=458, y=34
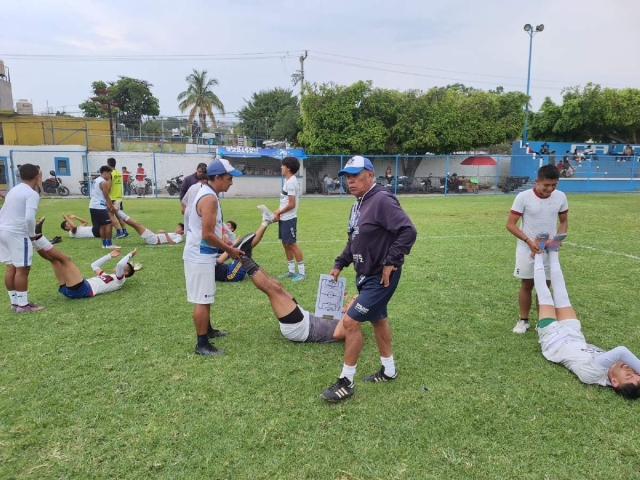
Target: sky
x=51, y=48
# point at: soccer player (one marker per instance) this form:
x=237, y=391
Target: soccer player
x=560, y=332
x=84, y=230
x=116, y=198
x=287, y=215
x=100, y=205
x=539, y=210
x=296, y=324
x=160, y=237
x=17, y=231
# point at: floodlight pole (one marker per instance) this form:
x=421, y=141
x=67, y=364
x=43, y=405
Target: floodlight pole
x=531, y=32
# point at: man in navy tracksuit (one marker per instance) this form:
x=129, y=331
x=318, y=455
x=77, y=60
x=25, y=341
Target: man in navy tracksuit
x=380, y=235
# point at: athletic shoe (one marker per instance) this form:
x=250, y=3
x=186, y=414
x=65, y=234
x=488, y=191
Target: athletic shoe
x=29, y=307
x=56, y=239
x=298, y=277
x=339, y=391
x=137, y=266
x=112, y=247
x=208, y=349
x=541, y=240
x=13, y=307
x=39, y=225
x=120, y=235
x=125, y=234
x=287, y=275
x=245, y=244
x=553, y=245
x=217, y=333
x=267, y=215
x=521, y=327
x=379, y=376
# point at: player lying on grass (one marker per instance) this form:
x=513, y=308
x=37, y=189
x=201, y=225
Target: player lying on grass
x=296, y=324
x=84, y=230
x=150, y=238
x=72, y=284
x=560, y=333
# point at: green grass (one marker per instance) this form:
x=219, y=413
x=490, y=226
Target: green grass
x=109, y=387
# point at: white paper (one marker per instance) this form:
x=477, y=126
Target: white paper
x=330, y=297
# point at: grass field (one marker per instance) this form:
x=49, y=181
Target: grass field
x=109, y=387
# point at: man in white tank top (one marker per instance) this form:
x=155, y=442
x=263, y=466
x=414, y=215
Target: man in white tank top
x=100, y=205
x=204, y=240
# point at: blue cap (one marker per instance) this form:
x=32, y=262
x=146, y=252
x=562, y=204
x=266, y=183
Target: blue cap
x=222, y=166
x=355, y=165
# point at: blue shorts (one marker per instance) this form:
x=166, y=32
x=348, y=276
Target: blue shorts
x=287, y=230
x=230, y=272
x=83, y=292
x=373, y=297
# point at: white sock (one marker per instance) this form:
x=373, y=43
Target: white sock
x=389, y=366
x=123, y=215
x=301, y=268
x=291, y=264
x=348, y=372
x=560, y=294
x=540, y=282
x=12, y=296
x=21, y=299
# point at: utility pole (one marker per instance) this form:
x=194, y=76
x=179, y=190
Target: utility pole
x=298, y=77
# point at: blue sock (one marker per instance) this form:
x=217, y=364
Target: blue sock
x=125, y=231
x=108, y=243
x=104, y=242
x=118, y=231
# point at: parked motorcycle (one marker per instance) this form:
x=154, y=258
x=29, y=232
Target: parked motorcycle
x=53, y=185
x=174, y=184
x=148, y=186
x=84, y=187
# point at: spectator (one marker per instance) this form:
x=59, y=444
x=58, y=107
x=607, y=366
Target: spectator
x=628, y=153
x=192, y=179
x=126, y=186
x=388, y=175
x=544, y=150
x=18, y=178
x=552, y=157
x=567, y=171
x=612, y=150
x=39, y=188
x=141, y=177
x=328, y=184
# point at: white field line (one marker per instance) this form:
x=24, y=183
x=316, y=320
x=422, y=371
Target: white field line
x=601, y=250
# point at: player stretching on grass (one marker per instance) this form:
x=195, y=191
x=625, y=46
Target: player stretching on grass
x=560, y=333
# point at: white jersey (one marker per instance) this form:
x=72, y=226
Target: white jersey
x=538, y=214
x=97, y=201
x=176, y=237
x=196, y=249
x=82, y=232
x=290, y=187
x=105, y=283
x=20, y=202
x=187, y=201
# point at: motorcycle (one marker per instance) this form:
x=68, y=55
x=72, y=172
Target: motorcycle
x=84, y=188
x=53, y=185
x=174, y=184
x=148, y=186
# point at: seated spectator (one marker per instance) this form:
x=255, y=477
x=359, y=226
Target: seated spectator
x=612, y=150
x=388, y=175
x=628, y=153
x=567, y=154
x=567, y=171
x=544, y=150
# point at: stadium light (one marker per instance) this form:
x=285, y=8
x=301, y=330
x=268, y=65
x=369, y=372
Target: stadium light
x=531, y=32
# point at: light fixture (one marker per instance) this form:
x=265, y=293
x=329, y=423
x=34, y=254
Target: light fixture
x=527, y=27
x=540, y=28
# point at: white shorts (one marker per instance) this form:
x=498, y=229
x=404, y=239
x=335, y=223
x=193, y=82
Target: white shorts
x=149, y=237
x=297, y=332
x=558, y=339
x=201, y=282
x=117, y=204
x=525, y=264
x=42, y=244
x=15, y=249
x=140, y=184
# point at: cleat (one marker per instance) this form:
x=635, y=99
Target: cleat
x=244, y=244
x=553, y=245
x=215, y=333
x=249, y=265
x=267, y=215
x=39, y=225
x=541, y=240
x=120, y=235
x=29, y=307
x=56, y=239
x=339, y=391
x=298, y=277
x=379, y=376
x=521, y=327
x=208, y=349
x=125, y=234
x=287, y=275
x=137, y=266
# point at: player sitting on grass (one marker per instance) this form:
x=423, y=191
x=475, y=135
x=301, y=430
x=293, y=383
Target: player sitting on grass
x=72, y=284
x=560, y=333
x=150, y=238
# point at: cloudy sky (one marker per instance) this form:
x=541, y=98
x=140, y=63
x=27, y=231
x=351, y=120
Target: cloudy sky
x=402, y=44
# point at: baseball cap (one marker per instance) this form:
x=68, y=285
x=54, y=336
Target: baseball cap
x=355, y=165
x=222, y=166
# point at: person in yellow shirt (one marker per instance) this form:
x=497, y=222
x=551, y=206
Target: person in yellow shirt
x=116, y=198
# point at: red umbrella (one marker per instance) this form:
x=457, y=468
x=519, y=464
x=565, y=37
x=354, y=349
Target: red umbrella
x=479, y=161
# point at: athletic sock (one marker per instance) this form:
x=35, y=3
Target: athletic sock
x=12, y=296
x=540, y=282
x=560, y=294
x=104, y=242
x=348, y=372
x=389, y=366
x=301, y=268
x=118, y=231
x=108, y=242
x=123, y=216
x=124, y=230
x=203, y=340
x=210, y=329
x=22, y=298
x=291, y=265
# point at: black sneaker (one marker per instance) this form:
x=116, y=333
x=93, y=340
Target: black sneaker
x=244, y=244
x=339, y=391
x=39, y=225
x=208, y=349
x=217, y=333
x=379, y=377
x=55, y=240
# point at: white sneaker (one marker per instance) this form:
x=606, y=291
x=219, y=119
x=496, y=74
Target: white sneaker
x=521, y=327
x=267, y=215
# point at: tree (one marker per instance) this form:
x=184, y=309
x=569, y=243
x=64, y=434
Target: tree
x=271, y=114
x=601, y=114
x=200, y=98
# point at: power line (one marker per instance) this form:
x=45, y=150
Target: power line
x=153, y=57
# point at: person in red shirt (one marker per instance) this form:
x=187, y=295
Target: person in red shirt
x=140, y=179
x=126, y=176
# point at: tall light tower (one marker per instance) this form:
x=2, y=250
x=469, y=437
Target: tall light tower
x=531, y=32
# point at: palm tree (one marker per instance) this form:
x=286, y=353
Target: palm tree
x=199, y=97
